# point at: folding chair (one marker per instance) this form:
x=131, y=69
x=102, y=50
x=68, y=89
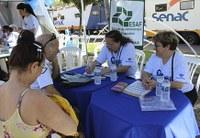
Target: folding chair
x=140, y=57
x=198, y=83
x=193, y=63
x=69, y=57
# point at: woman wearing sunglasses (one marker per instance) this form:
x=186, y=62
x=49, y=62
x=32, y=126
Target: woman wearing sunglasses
x=24, y=112
x=118, y=50
x=170, y=63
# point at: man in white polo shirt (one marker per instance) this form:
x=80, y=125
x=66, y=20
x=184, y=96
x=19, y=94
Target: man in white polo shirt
x=51, y=68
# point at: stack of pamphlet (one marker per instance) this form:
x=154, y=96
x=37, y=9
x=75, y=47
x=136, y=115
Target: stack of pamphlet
x=153, y=103
x=147, y=103
x=136, y=89
x=74, y=80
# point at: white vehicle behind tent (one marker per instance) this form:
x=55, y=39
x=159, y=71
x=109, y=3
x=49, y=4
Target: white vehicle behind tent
x=66, y=17
x=94, y=18
x=181, y=15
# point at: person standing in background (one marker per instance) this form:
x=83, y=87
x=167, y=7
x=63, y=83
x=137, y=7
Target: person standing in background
x=29, y=19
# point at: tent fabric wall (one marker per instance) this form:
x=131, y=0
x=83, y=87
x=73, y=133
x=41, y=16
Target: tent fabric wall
x=8, y=13
x=44, y=18
x=3, y=11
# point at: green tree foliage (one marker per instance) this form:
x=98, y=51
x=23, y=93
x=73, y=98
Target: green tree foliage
x=77, y=3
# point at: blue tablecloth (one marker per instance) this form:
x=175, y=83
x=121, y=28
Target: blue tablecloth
x=79, y=97
x=114, y=115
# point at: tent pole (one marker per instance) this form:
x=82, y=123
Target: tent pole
x=84, y=26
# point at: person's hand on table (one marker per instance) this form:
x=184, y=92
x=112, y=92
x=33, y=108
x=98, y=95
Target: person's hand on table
x=148, y=83
x=105, y=71
x=88, y=70
x=89, y=67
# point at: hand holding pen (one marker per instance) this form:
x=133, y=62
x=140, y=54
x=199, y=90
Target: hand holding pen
x=149, y=83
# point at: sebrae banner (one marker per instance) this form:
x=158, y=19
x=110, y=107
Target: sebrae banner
x=127, y=16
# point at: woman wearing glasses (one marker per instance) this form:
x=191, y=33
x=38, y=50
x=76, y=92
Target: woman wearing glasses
x=50, y=67
x=24, y=112
x=118, y=50
x=171, y=64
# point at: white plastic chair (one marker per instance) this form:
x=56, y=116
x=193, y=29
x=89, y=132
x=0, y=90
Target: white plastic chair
x=140, y=57
x=69, y=57
x=98, y=48
x=198, y=83
x=193, y=63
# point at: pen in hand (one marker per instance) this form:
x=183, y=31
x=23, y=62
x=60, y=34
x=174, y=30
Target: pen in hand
x=149, y=83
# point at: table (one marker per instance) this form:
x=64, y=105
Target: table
x=114, y=115
x=3, y=59
x=4, y=55
x=79, y=97
x=4, y=52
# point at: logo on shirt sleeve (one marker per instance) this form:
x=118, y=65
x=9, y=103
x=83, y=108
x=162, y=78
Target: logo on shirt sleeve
x=181, y=76
x=129, y=60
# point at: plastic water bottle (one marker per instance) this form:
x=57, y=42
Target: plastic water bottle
x=69, y=43
x=159, y=81
x=97, y=75
x=113, y=72
x=165, y=93
x=63, y=65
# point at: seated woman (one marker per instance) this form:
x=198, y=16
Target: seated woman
x=24, y=112
x=171, y=63
x=118, y=50
x=10, y=37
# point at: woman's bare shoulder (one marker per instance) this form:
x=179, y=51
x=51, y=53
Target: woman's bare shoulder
x=39, y=98
x=36, y=95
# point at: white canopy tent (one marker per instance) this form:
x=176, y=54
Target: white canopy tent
x=9, y=13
